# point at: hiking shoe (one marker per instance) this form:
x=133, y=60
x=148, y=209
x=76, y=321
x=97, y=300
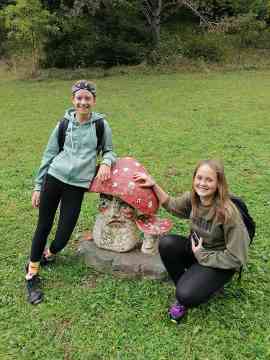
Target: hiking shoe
x=176, y=312
x=46, y=259
x=35, y=295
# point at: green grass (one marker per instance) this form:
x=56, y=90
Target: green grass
x=168, y=123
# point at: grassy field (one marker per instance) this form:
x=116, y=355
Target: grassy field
x=168, y=123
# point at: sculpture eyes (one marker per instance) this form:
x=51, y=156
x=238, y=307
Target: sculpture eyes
x=104, y=203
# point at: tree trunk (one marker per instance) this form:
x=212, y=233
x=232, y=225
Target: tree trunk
x=155, y=25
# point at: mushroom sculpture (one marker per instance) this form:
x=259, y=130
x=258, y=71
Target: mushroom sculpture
x=124, y=209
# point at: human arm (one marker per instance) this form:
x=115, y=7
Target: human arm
x=147, y=181
x=52, y=149
x=108, y=156
x=36, y=199
x=236, y=248
x=104, y=172
x=180, y=206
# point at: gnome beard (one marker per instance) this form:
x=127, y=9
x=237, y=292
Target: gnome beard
x=115, y=228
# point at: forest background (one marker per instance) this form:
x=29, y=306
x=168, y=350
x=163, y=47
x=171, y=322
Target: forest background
x=44, y=34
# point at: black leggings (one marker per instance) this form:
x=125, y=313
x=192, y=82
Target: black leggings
x=195, y=283
x=71, y=199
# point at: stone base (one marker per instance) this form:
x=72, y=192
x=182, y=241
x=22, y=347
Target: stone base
x=133, y=264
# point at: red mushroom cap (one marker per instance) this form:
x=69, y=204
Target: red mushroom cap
x=154, y=226
x=122, y=185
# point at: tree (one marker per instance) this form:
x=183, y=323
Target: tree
x=27, y=25
x=153, y=11
x=157, y=11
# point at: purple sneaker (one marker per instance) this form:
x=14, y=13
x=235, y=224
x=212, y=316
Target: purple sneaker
x=176, y=312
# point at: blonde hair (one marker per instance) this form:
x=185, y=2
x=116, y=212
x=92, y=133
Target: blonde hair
x=222, y=208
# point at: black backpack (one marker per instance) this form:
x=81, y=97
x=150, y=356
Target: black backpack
x=63, y=128
x=247, y=219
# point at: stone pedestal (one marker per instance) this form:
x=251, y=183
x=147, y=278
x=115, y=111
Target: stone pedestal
x=133, y=264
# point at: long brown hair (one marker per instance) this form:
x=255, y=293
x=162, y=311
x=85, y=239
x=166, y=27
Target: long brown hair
x=223, y=208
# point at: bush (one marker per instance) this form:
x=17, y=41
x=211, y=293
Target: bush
x=207, y=47
x=218, y=9
x=241, y=24
x=246, y=29
x=3, y=37
x=72, y=46
x=263, y=41
x=95, y=40
x=109, y=53
x=169, y=51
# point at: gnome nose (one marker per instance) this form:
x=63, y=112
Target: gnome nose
x=115, y=210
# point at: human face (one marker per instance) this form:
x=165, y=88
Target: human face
x=83, y=102
x=205, y=184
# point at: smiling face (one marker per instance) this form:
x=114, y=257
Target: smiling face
x=83, y=102
x=115, y=228
x=205, y=184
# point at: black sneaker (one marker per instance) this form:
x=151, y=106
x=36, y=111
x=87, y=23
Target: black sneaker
x=35, y=295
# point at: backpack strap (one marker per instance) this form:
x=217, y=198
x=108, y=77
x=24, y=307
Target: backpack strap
x=247, y=219
x=99, y=133
x=63, y=125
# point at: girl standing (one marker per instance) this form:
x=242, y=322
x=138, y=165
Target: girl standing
x=64, y=176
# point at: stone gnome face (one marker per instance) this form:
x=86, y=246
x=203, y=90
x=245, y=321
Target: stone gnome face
x=115, y=228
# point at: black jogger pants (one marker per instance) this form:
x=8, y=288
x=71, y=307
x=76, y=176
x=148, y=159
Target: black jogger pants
x=54, y=192
x=195, y=283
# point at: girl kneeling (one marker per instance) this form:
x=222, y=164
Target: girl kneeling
x=217, y=246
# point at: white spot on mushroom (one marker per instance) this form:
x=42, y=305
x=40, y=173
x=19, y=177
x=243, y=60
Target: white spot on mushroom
x=125, y=169
x=150, y=204
x=131, y=185
x=115, y=171
x=114, y=184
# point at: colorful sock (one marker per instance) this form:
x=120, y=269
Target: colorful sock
x=33, y=268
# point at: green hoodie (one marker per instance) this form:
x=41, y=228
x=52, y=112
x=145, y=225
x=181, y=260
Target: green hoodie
x=76, y=164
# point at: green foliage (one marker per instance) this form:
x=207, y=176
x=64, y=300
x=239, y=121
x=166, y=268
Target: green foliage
x=4, y=3
x=73, y=45
x=170, y=50
x=3, y=37
x=247, y=31
x=209, y=47
x=219, y=8
x=85, y=33
x=27, y=25
x=107, y=38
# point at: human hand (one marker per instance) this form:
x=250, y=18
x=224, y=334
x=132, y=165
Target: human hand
x=196, y=242
x=144, y=180
x=104, y=172
x=36, y=199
